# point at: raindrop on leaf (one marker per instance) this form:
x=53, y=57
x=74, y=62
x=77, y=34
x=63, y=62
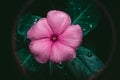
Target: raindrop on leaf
x=84, y=29
x=90, y=25
x=89, y=54
x=79, y=8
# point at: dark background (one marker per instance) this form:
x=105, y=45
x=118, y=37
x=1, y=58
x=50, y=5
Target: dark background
x=9, y=9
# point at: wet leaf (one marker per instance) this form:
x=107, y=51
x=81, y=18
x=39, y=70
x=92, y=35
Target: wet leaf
x=25, y=23
x=85, y=13
x=78, y=69
x=84, y=65
x=89, y=59
x=57, y=71
x=22, y=43
x=28, y=60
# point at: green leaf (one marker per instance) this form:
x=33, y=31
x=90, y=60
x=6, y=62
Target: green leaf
x=89, y=59
x=28, y=61
x=57, y=71
x=84, y=65
x=85, y=13
x=22, y=43
x=78, y=69
x=25, y=23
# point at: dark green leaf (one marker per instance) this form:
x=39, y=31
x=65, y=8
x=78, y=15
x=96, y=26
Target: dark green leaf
x=28, y=60
x=22, y=43
x=85, y=13
x=84, y=65
x=25, y=24
x=78, y=69
x=57, y=71
x=89, y=59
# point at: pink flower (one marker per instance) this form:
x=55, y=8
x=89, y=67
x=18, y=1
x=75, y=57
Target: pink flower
x=54, y=38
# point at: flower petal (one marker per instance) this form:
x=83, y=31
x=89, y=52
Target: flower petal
x=39, y=30
x=58, y=21
x=61, y=53
x=72, y=36
x=41, y=49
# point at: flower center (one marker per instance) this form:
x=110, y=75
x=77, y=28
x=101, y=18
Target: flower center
x=54, y=38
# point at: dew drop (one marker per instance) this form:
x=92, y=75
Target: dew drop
x=90, y=25
x=88, y=16
x=35, y=19
x=60, y=63
x=89, y=54
x=84, y=29
x=71, y=3
x=79, y=8
x=34, y=22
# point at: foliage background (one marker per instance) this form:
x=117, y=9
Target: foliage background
x=10, y=9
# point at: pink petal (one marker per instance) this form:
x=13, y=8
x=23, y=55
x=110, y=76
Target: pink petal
x=72, y=36
x=61, y=53
x=41, y=49
x=40, y=30
x=58, y=21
